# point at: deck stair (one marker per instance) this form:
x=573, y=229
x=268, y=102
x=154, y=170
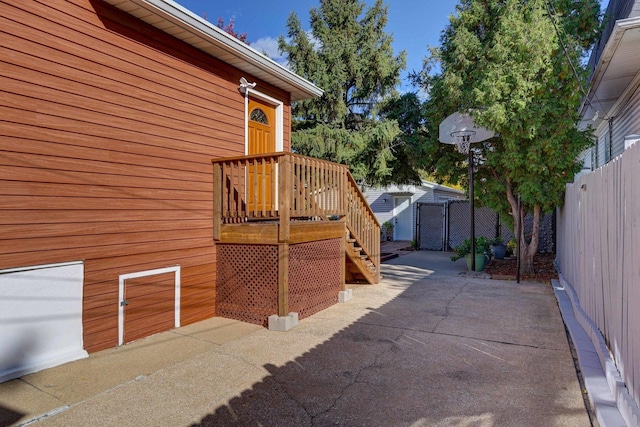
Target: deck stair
x=359, y=266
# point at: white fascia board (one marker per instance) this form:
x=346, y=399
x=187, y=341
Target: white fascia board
x=193, y=24
x=620, y=27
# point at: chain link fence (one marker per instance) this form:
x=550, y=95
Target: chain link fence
x=443, y=226
x=459, y=226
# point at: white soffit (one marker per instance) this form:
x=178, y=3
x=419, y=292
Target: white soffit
x=616, y=70
x=184, y=25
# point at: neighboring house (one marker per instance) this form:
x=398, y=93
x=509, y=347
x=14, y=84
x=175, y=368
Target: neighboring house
x=397, y=204
x=612, y=106
x=146, y=183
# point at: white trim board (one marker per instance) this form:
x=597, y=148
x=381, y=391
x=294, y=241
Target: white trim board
x=279, y=125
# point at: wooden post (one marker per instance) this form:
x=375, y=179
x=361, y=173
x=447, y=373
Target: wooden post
x=285, y=189
x=376, y=253
x=343, y=259
x=217, y=200
x=283, y=279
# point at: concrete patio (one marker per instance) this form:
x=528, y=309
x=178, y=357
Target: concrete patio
x=428, y=346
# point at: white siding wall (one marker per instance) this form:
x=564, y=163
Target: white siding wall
x=381, y=203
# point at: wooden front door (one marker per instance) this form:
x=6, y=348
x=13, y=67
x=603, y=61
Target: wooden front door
x=261, y=140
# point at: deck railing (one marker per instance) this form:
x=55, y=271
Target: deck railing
x=363, y=224
x=287, y=187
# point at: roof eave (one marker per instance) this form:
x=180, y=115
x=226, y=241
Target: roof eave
x=587, y=111
x=183, y=24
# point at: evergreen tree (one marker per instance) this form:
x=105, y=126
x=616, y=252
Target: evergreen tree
x=409, y=112
x=515, y=66
x=349, y=56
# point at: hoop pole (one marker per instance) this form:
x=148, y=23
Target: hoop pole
x=518, y=240
x=472, y=213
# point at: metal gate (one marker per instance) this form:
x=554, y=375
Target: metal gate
x=431, y=226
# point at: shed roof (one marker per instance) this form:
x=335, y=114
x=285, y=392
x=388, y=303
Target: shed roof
x=184, y=25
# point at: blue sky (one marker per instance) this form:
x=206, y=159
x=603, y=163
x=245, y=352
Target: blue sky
x=414, y=24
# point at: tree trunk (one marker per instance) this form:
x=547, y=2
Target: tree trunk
x=529, y=250
x=526, y=251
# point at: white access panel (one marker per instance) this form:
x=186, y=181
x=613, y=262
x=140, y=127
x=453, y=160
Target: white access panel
x=40, y=318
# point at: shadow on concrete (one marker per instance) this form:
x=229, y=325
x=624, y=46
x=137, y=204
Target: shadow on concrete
x=9, y=416
x=12, y=362
x=447, y=351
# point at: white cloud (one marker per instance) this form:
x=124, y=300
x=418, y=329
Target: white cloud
x=268, y=46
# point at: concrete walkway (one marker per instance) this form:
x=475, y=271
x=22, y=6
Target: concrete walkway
x=425, y=347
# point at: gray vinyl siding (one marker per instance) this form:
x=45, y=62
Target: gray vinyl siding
x=381, y=199
x=381, y=203
x=626, y=122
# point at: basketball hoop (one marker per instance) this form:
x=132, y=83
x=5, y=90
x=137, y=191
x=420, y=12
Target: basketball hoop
x=463, y=140
x=459, y=129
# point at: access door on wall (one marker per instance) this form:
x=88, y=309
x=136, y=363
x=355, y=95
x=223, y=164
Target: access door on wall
x=149, y=303
x=402, y=218
x=261, y=140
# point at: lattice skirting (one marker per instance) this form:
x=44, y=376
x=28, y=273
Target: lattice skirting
x=247, y=279
x=247, y=282
x=314, y=276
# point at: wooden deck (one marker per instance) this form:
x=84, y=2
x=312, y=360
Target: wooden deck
x=316, y=201
x=268, y=233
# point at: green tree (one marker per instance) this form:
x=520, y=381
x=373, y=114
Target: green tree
x=408, y=149
x=347, y=54
x=515, y=66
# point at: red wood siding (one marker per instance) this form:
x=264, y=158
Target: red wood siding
x=107, y=129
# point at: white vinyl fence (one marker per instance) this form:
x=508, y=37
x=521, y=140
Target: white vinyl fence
x=598, y=254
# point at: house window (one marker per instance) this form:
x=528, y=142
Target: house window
x=257, y=115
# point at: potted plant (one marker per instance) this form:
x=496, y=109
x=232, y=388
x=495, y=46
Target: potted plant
x=464, y=251
x=498, y=248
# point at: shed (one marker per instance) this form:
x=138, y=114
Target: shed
x=397, y=204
